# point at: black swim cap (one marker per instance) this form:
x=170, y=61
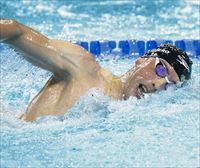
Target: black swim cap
x=177, y=58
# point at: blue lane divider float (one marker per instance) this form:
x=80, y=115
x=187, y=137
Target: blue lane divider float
x=196, y=44
x=138, y=47
x=180, y=44
x=132, y=47
x=192, y=47
x=102, y=47
x=83, y=44
x=151, y=44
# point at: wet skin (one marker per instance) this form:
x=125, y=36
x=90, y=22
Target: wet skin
x=143, y=74
x=75, y=71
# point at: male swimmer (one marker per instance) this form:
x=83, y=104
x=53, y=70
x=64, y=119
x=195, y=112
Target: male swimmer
x=75, y=70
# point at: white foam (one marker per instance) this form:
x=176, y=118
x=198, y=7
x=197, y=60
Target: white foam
x=64, y=11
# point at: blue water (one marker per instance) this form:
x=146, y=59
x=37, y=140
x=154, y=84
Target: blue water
x=160, y=130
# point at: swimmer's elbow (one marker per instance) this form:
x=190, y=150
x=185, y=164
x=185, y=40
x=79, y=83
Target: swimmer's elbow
x=9, y=29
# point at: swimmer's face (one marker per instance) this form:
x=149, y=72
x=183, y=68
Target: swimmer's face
x=145, y=80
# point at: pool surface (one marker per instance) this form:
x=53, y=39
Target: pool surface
x=158, y=131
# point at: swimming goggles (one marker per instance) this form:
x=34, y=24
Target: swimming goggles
x=161, y=71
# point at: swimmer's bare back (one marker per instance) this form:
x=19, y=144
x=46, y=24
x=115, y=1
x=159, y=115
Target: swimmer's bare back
x=74, y=69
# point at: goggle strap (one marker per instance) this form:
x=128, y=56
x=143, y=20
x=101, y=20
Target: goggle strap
x=167, y=80
x=157, y=61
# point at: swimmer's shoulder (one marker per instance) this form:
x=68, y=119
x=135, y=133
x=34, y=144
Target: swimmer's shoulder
x=83, y=61
x=71, y=49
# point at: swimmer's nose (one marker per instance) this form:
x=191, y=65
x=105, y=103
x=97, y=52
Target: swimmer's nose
x=159, y=83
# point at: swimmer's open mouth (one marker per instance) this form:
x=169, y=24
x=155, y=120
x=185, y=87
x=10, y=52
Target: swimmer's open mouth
x=141, y=90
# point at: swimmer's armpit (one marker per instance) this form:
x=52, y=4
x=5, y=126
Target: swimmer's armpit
x=9, y=29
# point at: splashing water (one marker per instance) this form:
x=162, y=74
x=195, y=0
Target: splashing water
x=160, y=130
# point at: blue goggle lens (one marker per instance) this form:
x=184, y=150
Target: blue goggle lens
x=161, y=71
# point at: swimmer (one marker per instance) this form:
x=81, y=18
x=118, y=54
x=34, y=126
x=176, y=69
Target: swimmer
x=75, y=70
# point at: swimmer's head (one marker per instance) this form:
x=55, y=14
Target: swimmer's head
x=177, y=58
x=156, y=70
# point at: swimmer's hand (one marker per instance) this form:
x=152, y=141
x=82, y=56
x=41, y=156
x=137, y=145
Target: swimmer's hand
x=9, y=29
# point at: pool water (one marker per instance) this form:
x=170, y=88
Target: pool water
x=158, y=131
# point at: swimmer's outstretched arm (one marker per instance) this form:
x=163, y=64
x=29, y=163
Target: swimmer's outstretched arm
x=61, y=58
